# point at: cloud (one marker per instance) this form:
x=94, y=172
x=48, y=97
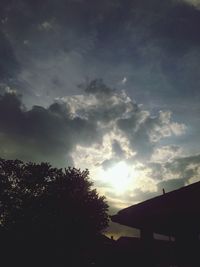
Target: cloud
x=55, y=46
x=117, y=114
x=144, y=130
x=170, y=185
x=149, y=40
x=102, y=122
x=170, y=170
x=41, y=134
x=9, y=65
x=186, y=168
x=166, y=153
x=172, y=175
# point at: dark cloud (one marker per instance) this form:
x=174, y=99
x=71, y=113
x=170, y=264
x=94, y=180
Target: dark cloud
x=41, y=134
x=58, y=44
x=108, y=163
x=186, y=167
x=9, y=66
x=174, y=174
x=97, y=87
x=145, y=131
x=117, y=149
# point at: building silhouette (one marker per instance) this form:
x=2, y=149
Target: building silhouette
x=176, y=215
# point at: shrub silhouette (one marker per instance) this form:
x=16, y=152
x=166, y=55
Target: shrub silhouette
x=48, y=210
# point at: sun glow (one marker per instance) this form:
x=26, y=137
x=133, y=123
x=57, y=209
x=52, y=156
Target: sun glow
x=119, y=177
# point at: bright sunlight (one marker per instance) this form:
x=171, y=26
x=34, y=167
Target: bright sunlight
x=119, y=177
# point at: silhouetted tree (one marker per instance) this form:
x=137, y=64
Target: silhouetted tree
x=49, y=207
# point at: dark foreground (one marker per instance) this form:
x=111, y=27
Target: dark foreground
x=100, y=252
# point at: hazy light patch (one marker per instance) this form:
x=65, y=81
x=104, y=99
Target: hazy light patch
x=113, y=231
x=122, y=179
x=118, y=203
x=118, y=177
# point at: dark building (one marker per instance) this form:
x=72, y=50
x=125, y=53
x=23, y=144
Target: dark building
x=175, y=214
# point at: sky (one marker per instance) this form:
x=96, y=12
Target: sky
x=110, y=85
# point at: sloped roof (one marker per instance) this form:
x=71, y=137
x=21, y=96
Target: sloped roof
x=170, y=213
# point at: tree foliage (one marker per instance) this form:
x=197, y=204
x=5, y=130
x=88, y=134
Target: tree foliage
x=39, y=200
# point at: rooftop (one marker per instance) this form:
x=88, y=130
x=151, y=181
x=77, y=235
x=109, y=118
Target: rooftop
x=170, y=213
